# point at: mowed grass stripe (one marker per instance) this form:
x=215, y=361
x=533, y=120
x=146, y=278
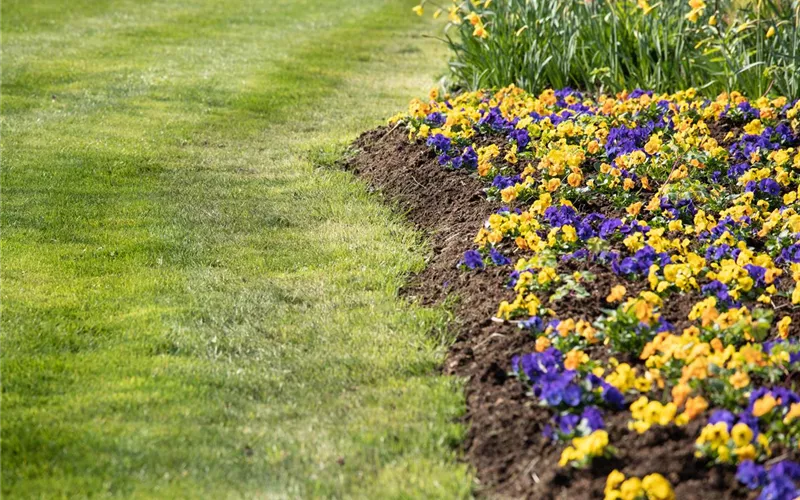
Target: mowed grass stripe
x=189, y=306
x=135, y=146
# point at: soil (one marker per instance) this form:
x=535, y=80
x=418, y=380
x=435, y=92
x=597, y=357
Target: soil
x=505, y=442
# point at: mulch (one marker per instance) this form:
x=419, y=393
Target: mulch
x=505, y=444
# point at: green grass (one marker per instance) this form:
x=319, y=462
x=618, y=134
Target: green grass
x=190, y=307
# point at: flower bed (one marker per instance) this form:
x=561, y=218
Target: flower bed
x=648, y=250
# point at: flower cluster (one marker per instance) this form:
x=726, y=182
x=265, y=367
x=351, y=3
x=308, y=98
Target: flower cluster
x=645, y=413
x=688, y=206
x=584, y=449
x=770, y=419
x=651, y=487
x=780, y=481
x=567, y=385
x=726, y=443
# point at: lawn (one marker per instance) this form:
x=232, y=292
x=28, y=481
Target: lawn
x=194, y=302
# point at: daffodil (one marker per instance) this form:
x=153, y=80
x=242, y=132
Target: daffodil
x=698, y=7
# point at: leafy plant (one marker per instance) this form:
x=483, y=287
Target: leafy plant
x=614, y=45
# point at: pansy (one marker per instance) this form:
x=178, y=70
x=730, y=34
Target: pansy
x=684, y=209
x=473, y=260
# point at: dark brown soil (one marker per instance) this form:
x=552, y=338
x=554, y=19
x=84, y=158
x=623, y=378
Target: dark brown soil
x=505, y=442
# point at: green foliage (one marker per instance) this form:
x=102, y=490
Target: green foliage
x=572, y=286
x=630, y=327
x=612, y=45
